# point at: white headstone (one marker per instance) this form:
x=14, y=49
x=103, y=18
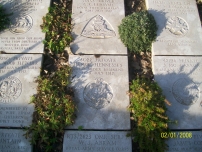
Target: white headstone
x=97, y=141
x=184, y=141
x=181, y=81
x=95, y=27
x=17, y=84
x=179, y=27
x=24, y=34
x=101, y=86
x=12, y=140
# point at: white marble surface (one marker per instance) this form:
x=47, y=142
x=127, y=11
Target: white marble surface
x=101, y=86
x=24, y=35
x=179, y=27
x=181, y=81
x=17, y=84
x=95, y=27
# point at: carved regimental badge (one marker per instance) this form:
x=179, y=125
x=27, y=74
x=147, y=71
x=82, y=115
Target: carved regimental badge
x=98, y=28
x=177, y=26
x=21, y=25
x=98, y=94
x=10, y=89
x=185, y=91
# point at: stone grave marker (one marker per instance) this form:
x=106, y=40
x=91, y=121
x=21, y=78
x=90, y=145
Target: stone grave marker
x=181, y=82
x=97, y=141
x=18, y=73
x=24, y=34
x=101, y=85
x=95, y=26
x=185, y=141
x=12, y=140
x=179, y=27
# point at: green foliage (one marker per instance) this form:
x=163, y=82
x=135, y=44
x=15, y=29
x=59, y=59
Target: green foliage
x=54, y=110
x=4, y=20
x=137, y=31
x=148, y=111
x=57, y=26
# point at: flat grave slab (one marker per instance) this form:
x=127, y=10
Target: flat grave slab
x=12, y=140
x=179, y=27
x=24, y=35
x=101, y=86
x=186, y=141
x=99, y=141
x=95, y=26
x=17, y=84
x=181, y=82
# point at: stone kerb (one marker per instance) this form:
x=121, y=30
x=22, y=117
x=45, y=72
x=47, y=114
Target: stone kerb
x=179, y=27
x=100, y=85
x=18, y=73
x=95, y=27
x=24, y=34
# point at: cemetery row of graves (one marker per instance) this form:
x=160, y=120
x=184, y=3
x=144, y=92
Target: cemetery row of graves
x=80, y=76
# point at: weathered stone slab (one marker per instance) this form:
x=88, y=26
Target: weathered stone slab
x=17, y=76
x=95, y=27
x=101, y=85
x=12, y=140
x=24, y=35
x=185, y=141
x=179, y=27
x=97, y=141
x=181, y=81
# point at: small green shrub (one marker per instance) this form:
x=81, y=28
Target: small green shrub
x=148, y=111
x=137, y=31
x=54, y=110
x=4, y=18
x=57, y=26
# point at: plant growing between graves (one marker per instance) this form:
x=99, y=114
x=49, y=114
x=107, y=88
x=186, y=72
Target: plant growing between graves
x=148, y=111
x=54, y=107
x=57, y=26
x=4, y=18
x=54, y=110
x=137, y=31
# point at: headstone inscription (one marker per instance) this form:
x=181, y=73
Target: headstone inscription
x=18, y=73
x=101, y=85
x=99, y=141
x=186, y=141
x=12, y=140
x=24, y=34
x=179, y=27
x=180, y=79
x=95, y=27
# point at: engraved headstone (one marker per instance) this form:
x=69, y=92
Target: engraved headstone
x=95, y=27
x=186, y=141
x=181, y=82
x=17, y=84
x=12, y=140
x=96, y=141
x=24, y=34
x=101, y=86
x=179, y=27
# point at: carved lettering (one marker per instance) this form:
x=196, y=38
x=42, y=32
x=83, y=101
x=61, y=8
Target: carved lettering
x=97, y=6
